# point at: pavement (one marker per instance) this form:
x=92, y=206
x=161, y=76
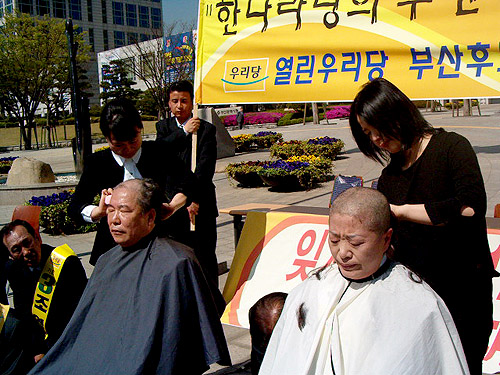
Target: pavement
x=482, y=131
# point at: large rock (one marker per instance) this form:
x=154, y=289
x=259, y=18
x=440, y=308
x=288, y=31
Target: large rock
x=225, y=143
x=27, y=171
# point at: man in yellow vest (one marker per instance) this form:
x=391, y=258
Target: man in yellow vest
x=47, y=282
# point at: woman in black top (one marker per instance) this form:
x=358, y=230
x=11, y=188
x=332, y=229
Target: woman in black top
x=436, y=191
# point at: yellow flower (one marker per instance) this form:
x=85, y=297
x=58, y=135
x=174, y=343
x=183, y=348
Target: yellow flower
x=304, y=158
x=242, y=137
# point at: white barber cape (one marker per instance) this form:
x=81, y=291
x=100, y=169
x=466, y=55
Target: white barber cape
x=387, y=325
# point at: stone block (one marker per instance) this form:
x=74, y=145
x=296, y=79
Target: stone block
x=27, y=171
x=225, y=143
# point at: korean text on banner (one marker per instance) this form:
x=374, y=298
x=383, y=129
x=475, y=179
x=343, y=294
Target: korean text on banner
x=255, y=51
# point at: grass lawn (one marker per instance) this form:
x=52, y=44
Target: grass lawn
x=10, y=136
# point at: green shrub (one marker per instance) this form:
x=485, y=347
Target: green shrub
x=9, y=124
x=67, y=121
x=95, y=110
x=293, y=118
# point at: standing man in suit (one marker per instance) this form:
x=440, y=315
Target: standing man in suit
x=177, y=133
x=128, y=157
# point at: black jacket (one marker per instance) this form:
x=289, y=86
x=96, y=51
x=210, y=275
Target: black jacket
x=168, y=133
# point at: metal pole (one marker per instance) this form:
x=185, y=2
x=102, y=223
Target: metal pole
x=82, y=145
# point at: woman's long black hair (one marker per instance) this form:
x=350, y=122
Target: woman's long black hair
x=383, y=106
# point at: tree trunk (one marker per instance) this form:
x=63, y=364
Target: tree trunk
x=24, y=135
x=305, y=114
x=467, y=109
x=315, y=113
x=49, y=138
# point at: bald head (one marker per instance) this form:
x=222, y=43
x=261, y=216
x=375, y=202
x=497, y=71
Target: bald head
x=367, y=205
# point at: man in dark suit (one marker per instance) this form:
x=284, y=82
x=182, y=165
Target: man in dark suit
x=25, y=272
x=128, y=157
x=177, y=133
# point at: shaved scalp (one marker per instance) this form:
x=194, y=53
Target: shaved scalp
x=367, y=205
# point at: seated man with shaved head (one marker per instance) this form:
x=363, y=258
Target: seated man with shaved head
x=147, y=308
x=365, y=314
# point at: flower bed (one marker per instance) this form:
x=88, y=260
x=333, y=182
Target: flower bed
x=245, y=173
x=325, y=165
x=266, y=139
x=341, y=111
x=6, y=163
x=253, y=118
x=325, y=147
x=285, y=175
x=242, y=142
x=54, y=217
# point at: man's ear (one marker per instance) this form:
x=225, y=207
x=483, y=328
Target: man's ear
x=151, y=217
x=388, y=237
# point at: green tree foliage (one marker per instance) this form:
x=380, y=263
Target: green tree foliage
x=147, y=104
x=117, y=82
x=34, y=61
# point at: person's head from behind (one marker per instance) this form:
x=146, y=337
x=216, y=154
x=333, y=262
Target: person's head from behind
x=384, y=121
x=180, y=100
x=22, y=243
x=121, y=124
x=263, y=316
x=359, y=231
x=132, y=210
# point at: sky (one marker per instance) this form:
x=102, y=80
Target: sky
x=183, y=11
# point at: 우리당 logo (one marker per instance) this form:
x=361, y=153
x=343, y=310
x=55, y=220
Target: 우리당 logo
x=245, y=75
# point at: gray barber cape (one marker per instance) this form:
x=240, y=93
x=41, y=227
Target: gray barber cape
x=146, y=310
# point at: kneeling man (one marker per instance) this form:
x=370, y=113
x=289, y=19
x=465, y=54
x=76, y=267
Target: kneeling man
x=365, y=314
x=147, y=308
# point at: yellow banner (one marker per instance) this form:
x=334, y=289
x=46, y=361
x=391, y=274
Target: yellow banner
x=48, y=281
x=4, y=311
x=274, y=51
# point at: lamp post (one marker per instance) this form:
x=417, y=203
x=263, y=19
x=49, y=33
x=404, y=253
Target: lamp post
x=82, y=143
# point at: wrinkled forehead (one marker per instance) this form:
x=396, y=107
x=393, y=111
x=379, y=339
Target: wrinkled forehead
x=359, y=220
x=16, y=236
x=125, y=196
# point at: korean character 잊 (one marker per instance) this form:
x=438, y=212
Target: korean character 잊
x=454, y=59
x=363, y=7
x=305, y=65
x=328, y=62
x=479, y=54
x=305, y=247
x=225, y=13
x=421, y=61
x=355, y=61
x=284, y=67
x=372, y=61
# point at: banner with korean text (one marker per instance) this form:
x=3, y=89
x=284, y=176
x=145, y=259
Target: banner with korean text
x=275, y=51
x=278, y=250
